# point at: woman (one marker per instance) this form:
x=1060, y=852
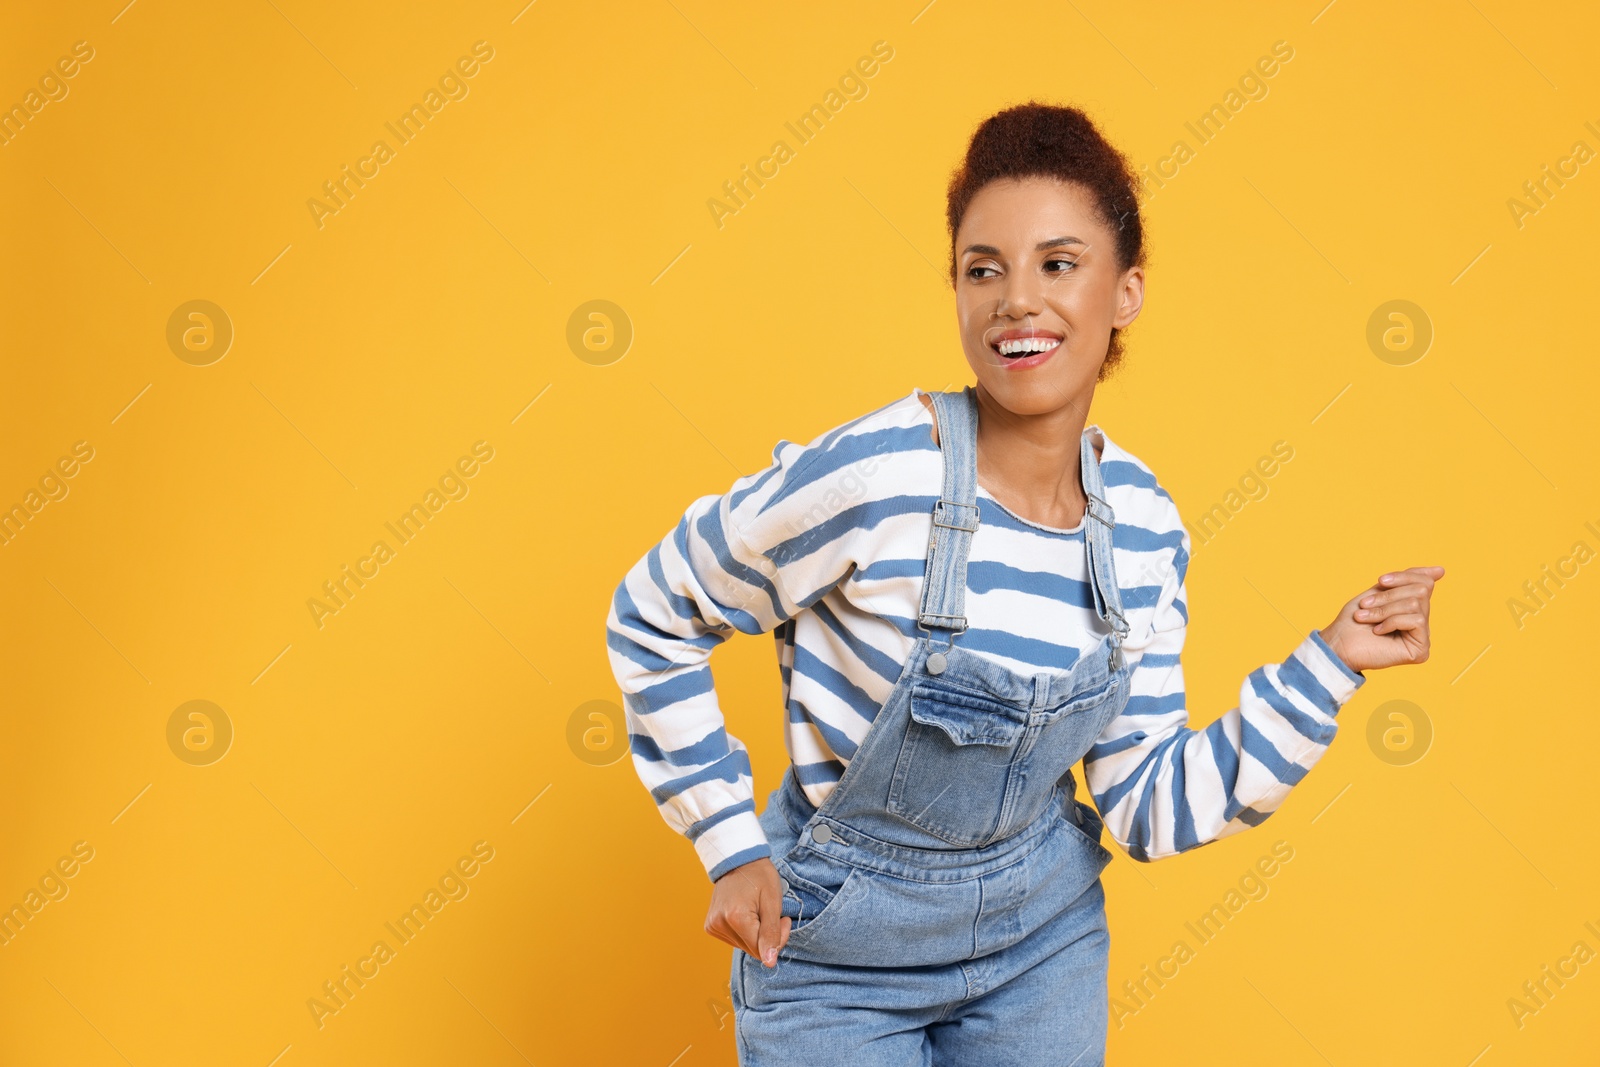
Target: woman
x=970, y=591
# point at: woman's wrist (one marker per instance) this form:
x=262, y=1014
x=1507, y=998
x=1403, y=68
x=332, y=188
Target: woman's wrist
x=1330, y=637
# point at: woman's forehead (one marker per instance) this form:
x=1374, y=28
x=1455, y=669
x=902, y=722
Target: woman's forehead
x=1027, y=207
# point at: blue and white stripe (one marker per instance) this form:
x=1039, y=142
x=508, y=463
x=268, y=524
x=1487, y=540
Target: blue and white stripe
x=825, y=549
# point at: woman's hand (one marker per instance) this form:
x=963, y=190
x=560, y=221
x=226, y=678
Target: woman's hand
x=746, y=910
x=1387, y=623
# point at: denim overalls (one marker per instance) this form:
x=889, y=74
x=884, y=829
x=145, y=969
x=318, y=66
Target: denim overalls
x=945, y=899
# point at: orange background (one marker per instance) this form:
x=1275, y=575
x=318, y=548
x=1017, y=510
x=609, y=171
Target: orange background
x=436, y=708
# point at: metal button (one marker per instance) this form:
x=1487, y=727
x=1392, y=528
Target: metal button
x=1077, y=813
x=822, y=833
x=1116, y=657
x=783, y=885
x=936, y=663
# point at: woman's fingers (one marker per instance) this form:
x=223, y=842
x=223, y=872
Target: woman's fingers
x=1387, y=623
x=734, y=917
x=723, y=932
x=1425, y=575
x=1410, y=598
x=747, y=911
x=754, y=921
x=744, y=925
x=771, y=933
x=1403, y=621
x=1413, y=581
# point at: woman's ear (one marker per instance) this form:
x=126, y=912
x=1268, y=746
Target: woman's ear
x=1131, y=301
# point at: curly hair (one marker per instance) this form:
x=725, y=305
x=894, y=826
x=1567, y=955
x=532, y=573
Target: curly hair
x=1042, y=140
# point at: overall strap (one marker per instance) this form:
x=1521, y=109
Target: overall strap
x=1099, y=522
x=955, y=514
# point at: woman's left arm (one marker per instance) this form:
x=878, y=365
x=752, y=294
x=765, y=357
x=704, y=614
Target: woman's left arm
x=1163, y=788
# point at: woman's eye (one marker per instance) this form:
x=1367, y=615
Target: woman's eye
x=972, y=272
x=1069, y=264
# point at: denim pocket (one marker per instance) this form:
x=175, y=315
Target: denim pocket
x=1089, y=830
x=816, y=884
x=880, y=920
x=1081, y=701
x=955, y=764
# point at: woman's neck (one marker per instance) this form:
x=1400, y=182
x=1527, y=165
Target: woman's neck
x=1030, y=463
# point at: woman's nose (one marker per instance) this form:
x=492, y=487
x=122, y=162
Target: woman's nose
x=1021, y=296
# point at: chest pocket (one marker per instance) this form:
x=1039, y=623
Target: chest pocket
x=954, y=769
x=974, y=768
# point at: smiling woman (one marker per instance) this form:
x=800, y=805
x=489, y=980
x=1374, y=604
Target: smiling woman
x=1001, y=594
x=1073, y=271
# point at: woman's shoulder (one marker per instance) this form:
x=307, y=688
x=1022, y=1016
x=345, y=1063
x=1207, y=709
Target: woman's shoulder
x=873, y=457
x=1151, y=540
x=901, y=425
x=1141, y=502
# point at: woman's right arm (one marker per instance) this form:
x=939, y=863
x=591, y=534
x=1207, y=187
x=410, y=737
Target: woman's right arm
x=686, y=596
x=744, y=561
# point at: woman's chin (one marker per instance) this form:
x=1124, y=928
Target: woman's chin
x=1036, y=391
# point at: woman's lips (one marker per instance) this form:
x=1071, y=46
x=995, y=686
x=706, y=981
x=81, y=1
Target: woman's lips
x=1023, y=349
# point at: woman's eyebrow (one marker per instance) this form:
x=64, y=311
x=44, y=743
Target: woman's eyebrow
x=1054, y=242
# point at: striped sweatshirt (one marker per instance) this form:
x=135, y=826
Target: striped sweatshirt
x=826, y=550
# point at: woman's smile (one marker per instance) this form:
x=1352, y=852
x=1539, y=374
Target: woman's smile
x=1021, y=349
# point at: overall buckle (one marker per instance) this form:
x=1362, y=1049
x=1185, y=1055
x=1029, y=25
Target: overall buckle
x=937, y=661
x=947, y=509
x=1110, y=516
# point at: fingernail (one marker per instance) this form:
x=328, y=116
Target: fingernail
x=771, y=957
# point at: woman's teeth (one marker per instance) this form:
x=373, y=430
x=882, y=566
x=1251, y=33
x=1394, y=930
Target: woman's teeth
x=1025, y=345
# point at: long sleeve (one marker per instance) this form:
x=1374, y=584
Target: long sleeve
x=712, y=576
x=1164, y=788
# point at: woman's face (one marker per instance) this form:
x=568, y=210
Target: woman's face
x=1037, y=270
